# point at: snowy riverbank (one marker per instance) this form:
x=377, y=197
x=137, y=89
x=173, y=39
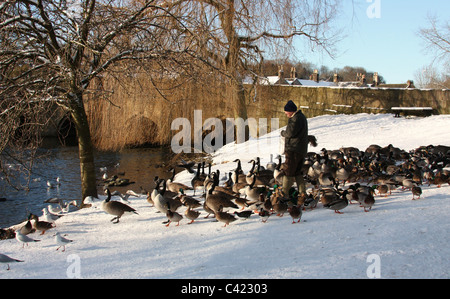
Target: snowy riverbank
x=409, y=237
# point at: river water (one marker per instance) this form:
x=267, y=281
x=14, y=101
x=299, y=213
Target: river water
x=138, y=165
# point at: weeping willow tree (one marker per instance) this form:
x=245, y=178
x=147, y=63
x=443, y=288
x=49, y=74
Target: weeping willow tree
x=52, y=51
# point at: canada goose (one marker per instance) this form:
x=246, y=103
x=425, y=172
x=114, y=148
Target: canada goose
x=42, y=226
x=170, y=197
x=197, y=181
x=208, y=210
x=253, y=192
x=61, y=241
x=271, y=165
x=214, y=200
x=278, y=174
x=238, y=184
x=224, y=216
x=191, y=214
x=4, y=259
x=115, y=207
x=238, y=174
x=229, y=182
x=174, y=186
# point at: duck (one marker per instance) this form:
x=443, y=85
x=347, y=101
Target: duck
x=328, y=196
x=188, y=201
x=339, y=204
x=215, y=200
x=311, y=201
x=367, y=201
x=174, y=186
x=172, y=216
x=264, y=215
x=383, y=189
x=4, y=259
x=244, y=214
x=416, y=191
x=28, y=227
x=115, y=208
x=280, y=206
x=296, y=213
x=191, y=214
x=224, y=216
x=42, y=226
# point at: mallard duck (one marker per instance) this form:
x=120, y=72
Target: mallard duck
x=224, y=216
x=115, y=207
x=191, y=214
x=311, y=201
x=28, y=227
x=4, y=259
x=264, y=215
x=367, y=200
x=338, y=204
x=42, y=226
x=408, y=183
x=173, y=216
x=244, y=214
x=416, y=191
x=383, y=189
x=189, y=201
x=296, y=213
x=328, y=196
x=280, y=206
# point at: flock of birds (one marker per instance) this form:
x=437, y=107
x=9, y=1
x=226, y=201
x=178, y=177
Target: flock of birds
x=335, y=178
x=375, y=170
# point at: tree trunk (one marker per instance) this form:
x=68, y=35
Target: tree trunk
x=85, y=149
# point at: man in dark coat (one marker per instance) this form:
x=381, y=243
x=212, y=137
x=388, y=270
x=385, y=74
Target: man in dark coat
x=295, y=148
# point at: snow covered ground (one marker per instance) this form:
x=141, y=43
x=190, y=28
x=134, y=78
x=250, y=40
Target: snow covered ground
x=399, y=238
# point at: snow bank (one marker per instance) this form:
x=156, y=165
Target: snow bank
x=410, y=238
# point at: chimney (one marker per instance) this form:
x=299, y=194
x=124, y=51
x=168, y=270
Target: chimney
x=410, y=84
x=293, y=72
x=280, y=72
x=315, y=76
x=336, y=78
x=376, y=80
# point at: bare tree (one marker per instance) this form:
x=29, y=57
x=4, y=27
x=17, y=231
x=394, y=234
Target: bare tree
x=437, y=42
x=52, y=50
x=236, y=34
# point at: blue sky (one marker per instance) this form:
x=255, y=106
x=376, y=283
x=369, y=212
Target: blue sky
x=387, y=43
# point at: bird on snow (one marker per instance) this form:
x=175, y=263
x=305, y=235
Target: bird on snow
x=7, y=260
x=61, y=241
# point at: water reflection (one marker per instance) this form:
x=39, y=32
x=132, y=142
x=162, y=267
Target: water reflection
x=138, y=165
